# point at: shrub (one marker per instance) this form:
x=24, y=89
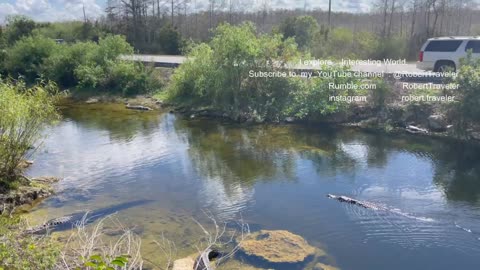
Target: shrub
x=365, y=44
x=392, y=47
x=345, y=43
x=303, y=29
x=170, y=40
x=20, y=252
x=2, y=38
x=24, y=112
x=90, y=76
x=340, y=44
x=18, y=26
x=101, y=69
x=26, y=57
x=193, y=78
x=60, y=66
x=3, y=56
x=70, y=32
x=217, y=75
x=381, y=93
x=130, y=78
x=3, y=51
x=81, y=64
x=312, y=100
x=340, y=41
x=110, y=48
x=468, y=79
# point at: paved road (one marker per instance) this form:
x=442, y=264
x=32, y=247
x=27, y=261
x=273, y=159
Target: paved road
x=178, y=59
x=394, y=70
x=158, y=60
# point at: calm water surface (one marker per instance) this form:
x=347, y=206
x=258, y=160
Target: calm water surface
x=275, y=177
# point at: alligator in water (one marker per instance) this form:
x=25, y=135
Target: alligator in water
x=375, y=206
x=138, y=107
x=69, y=222
x=363, y=204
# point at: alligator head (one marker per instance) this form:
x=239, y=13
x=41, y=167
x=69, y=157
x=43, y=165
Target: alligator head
x=331, y=196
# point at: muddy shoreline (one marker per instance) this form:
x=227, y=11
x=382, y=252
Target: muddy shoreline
x=371, y=121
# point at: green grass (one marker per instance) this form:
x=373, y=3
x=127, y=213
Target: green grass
x=24, y=252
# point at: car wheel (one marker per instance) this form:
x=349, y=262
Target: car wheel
x=444, y=66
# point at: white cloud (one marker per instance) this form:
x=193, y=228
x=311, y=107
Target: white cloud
x=61, y=10
x=51, y=10
x=337, y=5
x=6, y=9
x=32, y=6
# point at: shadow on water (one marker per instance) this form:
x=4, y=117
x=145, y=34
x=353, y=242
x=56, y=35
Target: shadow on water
x=89, y=217
x=458, y=172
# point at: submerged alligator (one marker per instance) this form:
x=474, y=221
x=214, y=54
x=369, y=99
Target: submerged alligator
x=68, y=222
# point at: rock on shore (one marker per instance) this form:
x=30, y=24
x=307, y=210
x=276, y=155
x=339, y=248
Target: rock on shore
x=38, y=188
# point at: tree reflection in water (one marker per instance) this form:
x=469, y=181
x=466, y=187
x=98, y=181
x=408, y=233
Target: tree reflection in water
x=242, y=155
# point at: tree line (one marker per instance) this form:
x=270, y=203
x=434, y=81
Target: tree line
x=391, y=28
x=412, y=21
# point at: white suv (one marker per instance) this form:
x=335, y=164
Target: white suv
x=444, y=53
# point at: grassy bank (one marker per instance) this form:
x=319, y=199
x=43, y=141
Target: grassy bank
x=18, y=251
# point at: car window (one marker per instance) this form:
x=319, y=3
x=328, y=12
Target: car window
x=443, y=45
x=474, y=45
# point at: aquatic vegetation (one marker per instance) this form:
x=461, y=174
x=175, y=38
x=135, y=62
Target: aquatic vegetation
x=277, y=246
